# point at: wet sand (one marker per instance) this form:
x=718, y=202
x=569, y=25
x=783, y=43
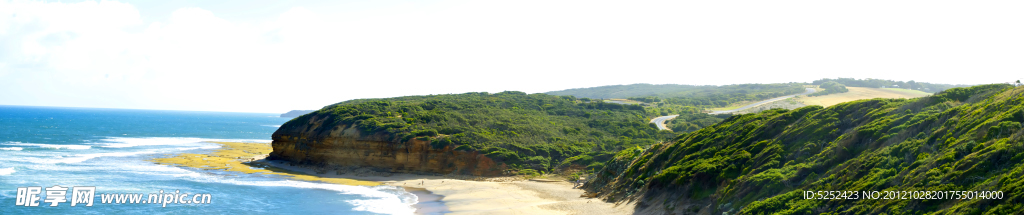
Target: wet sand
x=428, y=203
x=437, y=195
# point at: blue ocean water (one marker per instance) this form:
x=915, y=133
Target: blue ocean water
x=109, y=149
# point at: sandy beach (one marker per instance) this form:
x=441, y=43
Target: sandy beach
x=491, y=197
x=438, y=195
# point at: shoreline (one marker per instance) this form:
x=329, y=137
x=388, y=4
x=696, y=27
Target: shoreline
x=498, y=195
x=428, y=203
x=435, y=194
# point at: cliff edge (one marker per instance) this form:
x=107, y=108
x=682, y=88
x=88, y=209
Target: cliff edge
x=480, y=134
x=308, y=141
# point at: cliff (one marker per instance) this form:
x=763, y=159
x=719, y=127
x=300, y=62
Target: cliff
x=517, y=132
x=312, y=142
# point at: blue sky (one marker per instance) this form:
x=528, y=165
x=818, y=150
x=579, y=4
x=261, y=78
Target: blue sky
x=275, y=56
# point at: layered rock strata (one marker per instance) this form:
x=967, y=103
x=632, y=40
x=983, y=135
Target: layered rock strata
x=308, y=143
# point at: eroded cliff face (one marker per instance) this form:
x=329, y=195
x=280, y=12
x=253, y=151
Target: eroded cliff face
x=345, y=145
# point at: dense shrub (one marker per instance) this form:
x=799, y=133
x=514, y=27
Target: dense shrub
x=535, y=131
x=961, y=139
x=830, y=87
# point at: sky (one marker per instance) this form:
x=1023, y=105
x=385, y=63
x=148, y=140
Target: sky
x=275, y=56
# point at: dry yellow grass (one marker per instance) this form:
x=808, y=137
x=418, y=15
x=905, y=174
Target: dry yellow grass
x=858, y=93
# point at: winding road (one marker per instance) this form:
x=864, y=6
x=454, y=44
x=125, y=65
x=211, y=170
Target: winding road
x=809, y=91
x=660, y=121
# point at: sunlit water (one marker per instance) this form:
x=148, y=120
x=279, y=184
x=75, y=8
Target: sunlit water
x=109, y=149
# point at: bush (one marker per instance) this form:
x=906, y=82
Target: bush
x=529, y=172
x=830, y=87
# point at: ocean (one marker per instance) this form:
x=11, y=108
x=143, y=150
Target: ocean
x=109, y=148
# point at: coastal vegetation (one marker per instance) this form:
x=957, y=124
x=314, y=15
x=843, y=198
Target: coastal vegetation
x=688, y=101
x=830, y=87
x=961, y=139
x=525, y=131
x=692, y=122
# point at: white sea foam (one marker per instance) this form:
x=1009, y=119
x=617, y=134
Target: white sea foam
x=275, y=126
x=188, y=143
x=379, y=199
x=125, y=142
x=156, y=169
x=51, y=146
x=241, y=140
x=6, y=171
x=84, y=157
x=133, y=166
x=10, y=148
x=202, y=147
x=379, y=206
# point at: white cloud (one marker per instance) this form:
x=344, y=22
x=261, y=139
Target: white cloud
x=101, y=54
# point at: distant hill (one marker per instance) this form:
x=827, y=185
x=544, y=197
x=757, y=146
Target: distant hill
x=626, y=91
x=296, y=113
x=676, y=91
x=880, y=83
x=686, y=95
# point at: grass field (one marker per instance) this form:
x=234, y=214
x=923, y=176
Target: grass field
x=858, y=93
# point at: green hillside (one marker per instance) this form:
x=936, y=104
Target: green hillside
x=962, y=139
x=537, y=131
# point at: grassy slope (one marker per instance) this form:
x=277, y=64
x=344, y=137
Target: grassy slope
x=963, y=139
x=857, y=93
x=908, y=91
x=534, y=131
